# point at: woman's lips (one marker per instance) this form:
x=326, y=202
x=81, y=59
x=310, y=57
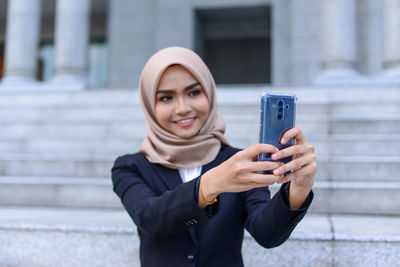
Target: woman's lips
x=185, y=122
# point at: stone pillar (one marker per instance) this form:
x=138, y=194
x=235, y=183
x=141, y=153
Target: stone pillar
x=338, y=42
x=22, y=40
x=370, y=37
x=391, y=39
x=71, y=42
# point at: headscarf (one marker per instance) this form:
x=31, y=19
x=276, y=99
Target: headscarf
x=163, y=147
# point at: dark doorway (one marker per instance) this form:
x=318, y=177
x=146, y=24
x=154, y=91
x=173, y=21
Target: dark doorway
x=235, y=43
x=1, y=60
x=3, y=10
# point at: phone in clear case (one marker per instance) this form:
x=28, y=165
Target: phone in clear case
x=278, y=114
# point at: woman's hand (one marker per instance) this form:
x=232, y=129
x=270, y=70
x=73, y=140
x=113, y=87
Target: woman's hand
x=239, y=173
x=302, y=167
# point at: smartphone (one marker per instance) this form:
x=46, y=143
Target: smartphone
x=278, y=114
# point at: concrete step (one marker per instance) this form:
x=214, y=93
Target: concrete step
x=243, y=123
x=369, y=107
x=241, y=111
x=242, y=118
x=125, y=103
x=21, y=129
x=333, y=240
x=330, y=197
x=85, y=237
x=63, y=165
x=69, y=145
x=67, y=237
x=58, y=98
x=226, y=97
x=364, y=145
x=98, y=165
x=227, y=94
x=112, y=144
x=58, y=191
x=234, y=128
x=70, y=113
x=345, y=132
x=82, y=128
x=361, y=168
x=316, y=126
x=350, y=197
x=368, y=124
x=128, y=112
x=335, y=145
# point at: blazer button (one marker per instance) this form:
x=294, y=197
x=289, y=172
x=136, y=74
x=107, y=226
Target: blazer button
x=190, y=257
x=191, y=222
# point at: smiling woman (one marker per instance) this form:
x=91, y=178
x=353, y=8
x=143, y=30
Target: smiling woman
x=185, y=128
x=190, y=194
x=182, y=106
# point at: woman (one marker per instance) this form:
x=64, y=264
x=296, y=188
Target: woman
x=189, y=193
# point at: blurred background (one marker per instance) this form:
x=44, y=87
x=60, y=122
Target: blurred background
x=69, y=106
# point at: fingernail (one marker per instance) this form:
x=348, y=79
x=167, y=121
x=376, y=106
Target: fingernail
x=277, y=172
x=274, y=156
x=283, y=140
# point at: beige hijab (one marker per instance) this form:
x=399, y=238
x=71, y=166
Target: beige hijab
x=163, y=147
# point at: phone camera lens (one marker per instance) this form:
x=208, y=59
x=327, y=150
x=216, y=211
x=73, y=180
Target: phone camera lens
x=280, y=109
x=280, y=116
x=280, y=103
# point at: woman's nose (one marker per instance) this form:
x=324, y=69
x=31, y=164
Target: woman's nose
x=183, y=107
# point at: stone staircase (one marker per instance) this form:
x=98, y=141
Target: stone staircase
x=57, y=149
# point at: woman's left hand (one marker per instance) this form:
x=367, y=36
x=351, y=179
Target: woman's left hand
x=303, y=166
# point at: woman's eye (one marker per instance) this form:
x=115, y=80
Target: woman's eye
x=195, y=92
x=165, y=98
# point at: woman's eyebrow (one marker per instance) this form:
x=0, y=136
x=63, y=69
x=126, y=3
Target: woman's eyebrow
x=170, y=91
x=164, y=91
x=191, y=86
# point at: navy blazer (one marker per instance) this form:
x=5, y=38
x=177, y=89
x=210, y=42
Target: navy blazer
x=174, y=231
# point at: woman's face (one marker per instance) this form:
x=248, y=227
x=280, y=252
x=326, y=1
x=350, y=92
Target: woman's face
x=182, y=106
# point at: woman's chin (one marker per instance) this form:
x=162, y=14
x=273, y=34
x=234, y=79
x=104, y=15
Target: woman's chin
x=186, y=134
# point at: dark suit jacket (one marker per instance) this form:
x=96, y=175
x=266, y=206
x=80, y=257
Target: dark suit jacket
x=174, y=231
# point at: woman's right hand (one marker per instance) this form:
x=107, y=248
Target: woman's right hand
x=239, y=173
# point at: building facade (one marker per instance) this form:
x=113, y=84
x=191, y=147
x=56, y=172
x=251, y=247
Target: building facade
x=104, y=44
x=60, y=133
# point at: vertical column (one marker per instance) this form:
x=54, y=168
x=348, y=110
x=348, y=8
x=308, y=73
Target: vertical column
x=338, y=41
x=391, y=39
x=22, y=39
x=370, y=36
x=71, y=42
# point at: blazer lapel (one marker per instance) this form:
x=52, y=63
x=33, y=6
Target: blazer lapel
x=170, y=177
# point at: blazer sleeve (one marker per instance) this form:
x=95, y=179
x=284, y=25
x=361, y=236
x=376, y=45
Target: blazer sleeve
x=271, y=221
x=155, y=214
